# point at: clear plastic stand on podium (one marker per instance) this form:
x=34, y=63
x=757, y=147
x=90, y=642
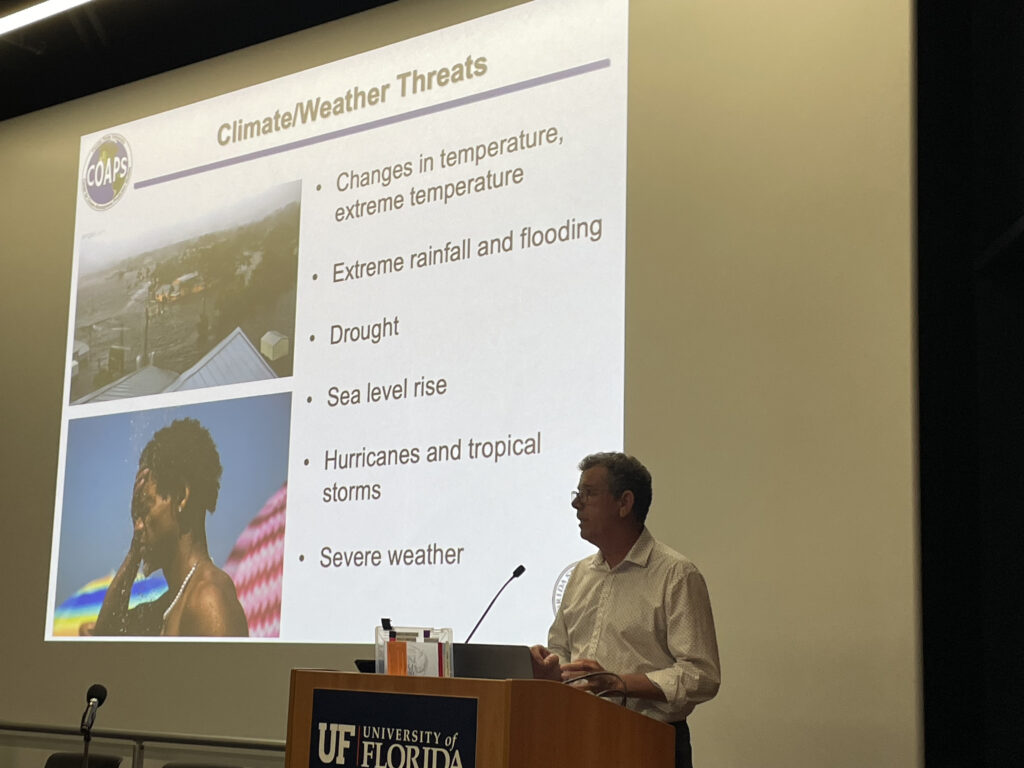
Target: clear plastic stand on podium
x=416, y=651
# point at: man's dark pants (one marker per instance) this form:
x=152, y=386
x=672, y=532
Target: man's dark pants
x=684, y=755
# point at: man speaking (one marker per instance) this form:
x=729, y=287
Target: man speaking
x=636, y=610
x=176, y=485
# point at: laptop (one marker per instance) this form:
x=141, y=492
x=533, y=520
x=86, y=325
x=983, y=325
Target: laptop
x=492, y=662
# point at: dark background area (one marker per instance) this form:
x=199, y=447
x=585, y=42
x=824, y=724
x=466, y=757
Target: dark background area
x=107, y=43
x=970, y=283
x=970, y=259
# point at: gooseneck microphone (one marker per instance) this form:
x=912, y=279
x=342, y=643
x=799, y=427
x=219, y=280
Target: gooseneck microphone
x=519, y=571
x=94, y=699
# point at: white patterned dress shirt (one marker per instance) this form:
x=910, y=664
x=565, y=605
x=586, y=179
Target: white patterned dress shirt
x=650, y=614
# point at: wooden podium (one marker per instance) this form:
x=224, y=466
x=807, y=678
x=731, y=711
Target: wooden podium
x=519, y=723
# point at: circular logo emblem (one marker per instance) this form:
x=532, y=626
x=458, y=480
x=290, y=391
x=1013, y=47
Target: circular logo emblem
x=107, y=171
x=560, y=582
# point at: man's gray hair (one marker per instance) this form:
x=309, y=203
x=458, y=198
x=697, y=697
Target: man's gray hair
x=625, y=473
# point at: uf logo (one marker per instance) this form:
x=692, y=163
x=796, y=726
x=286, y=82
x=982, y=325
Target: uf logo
x=339, y=742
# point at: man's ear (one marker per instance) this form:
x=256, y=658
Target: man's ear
x=183, y=502
x=626, y=504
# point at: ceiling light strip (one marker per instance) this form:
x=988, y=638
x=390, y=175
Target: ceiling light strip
x=35, y=13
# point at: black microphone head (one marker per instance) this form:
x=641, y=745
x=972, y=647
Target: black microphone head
x=98, y=692
x=518, y=571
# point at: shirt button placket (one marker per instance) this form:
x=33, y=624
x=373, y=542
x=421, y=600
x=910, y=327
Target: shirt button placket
x=602, y=612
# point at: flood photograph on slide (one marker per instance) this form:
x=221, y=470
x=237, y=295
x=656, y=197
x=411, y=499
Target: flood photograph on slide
x=146, y=313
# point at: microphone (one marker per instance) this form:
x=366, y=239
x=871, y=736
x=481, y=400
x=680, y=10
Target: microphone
x=519, y=571
x=94, y=698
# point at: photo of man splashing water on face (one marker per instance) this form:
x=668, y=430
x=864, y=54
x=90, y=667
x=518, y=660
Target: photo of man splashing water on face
x=176, y=486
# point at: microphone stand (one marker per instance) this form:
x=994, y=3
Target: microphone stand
x=519, y=571
x=94, y=699
x=86, y=737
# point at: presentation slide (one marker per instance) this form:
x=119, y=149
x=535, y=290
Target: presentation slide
x=349, y=332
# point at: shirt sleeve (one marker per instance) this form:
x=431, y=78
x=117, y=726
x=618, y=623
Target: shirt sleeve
x=695, y=675
x=558, y=638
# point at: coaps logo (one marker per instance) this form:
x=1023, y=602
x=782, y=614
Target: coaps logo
x=107, y=171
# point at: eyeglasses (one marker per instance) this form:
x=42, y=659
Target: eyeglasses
x=583, y=495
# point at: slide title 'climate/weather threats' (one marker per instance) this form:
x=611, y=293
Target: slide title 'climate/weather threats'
x=355, y=98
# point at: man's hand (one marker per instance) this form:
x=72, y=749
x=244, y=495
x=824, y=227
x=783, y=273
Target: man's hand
x=598, y=683
x=545, y=664
x=113, y=615
x=636, y=685
x=138, y=507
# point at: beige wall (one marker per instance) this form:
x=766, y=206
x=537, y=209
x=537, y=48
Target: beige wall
x=769, y=350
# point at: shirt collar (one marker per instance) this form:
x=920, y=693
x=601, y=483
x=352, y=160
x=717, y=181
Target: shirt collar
x=639, y=554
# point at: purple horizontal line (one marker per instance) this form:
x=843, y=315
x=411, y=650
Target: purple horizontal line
x=522, y=85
